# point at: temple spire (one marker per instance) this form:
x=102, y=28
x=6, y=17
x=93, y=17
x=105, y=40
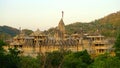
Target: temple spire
x=20, y=30
x=62, y=14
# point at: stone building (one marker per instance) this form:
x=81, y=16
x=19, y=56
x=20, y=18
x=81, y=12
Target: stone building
x=38, y=42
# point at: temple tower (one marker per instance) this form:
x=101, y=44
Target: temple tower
x=60, y=31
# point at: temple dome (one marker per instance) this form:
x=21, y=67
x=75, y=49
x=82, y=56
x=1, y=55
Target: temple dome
x=37, y=33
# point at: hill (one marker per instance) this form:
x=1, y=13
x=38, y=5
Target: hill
x=108, y=26
x=113, y=19
x=9, y=30
x=6, y=32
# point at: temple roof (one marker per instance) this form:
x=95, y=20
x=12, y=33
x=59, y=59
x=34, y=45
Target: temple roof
x=21, y=35
x=61, y=26
x=61, y=23
x=37, y=33
x=16, y=43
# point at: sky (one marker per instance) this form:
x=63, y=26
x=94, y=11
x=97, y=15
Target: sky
x=45, y=14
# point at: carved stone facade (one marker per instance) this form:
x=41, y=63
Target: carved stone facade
x=38, y=42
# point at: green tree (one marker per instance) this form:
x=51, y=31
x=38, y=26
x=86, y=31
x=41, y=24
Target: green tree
x=2, y=54
x=105, y=61
x=2, y=43
x=12, y=58
x=77, y=60
x=28, y=62
x=54, y=59
x=117, y=46
x=8, y=59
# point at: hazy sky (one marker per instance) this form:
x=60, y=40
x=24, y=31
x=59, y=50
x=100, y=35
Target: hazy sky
x=43, y=14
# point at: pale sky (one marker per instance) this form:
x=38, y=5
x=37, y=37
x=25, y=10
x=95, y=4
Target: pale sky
x=44, y=14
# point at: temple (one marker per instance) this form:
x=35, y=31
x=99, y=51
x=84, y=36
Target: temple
x=38, y=42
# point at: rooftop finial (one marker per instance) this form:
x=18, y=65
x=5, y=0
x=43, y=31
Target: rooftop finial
x=62, y=14
x=20, y=30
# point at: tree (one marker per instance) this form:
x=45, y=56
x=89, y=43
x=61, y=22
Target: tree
x=8, y=59
x=28, y=62
x=2, y=43
x=2, y=54
x=117, y=46
x=12, y=58
x=105, y=61
x=54, y=59
x=77, y=60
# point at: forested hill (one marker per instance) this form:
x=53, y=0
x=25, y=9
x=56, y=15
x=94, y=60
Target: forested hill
x=113, y=19
x=108, y=26
x=7, y=32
